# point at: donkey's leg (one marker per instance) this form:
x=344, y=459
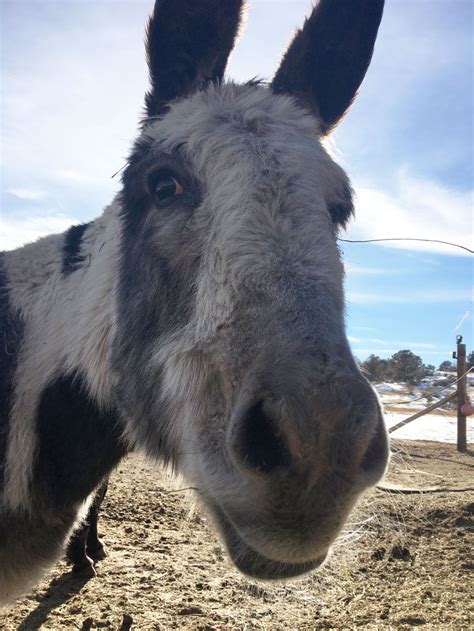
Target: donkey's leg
x=76, y=551
x=85, y=547
x=95, y=547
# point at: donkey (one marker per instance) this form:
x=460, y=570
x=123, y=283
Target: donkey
x=200, y=318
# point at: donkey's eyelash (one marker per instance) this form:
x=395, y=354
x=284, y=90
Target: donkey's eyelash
x=162, y=172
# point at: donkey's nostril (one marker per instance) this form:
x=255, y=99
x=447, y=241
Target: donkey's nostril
x=257, y=442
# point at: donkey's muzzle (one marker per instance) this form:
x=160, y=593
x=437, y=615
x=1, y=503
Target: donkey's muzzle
x=344, y=435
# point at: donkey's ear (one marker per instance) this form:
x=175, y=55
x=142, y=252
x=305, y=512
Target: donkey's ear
x=188, y=43
x=327, y=60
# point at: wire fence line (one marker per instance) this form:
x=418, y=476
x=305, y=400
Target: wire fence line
x=430, y=408
x=431, y=394
x=454, y=245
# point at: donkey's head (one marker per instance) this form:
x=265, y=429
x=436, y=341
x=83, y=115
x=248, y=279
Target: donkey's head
x=231, y=356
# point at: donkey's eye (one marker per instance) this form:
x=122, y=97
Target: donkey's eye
x=165, y=185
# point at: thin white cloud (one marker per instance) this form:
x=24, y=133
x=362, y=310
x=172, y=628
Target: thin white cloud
x=385, y=342
x=15, y=232
x=417, y=208
x=78, y=177
x=80, y=130
x=27, y=194
x=411, y=297
x=466, y=315
x=355, y=268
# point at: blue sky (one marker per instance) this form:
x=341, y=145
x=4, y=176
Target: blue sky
x=73, y=79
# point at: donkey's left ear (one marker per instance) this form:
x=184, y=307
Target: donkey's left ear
x=188, y=43
x=327, y=60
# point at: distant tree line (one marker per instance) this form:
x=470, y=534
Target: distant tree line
x=405, y=366
x=450, y=366
x=402, y=366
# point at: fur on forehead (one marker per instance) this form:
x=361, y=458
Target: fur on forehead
x=252, y=108
x=224, y=116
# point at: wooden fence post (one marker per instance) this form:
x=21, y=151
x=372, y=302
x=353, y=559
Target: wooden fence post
x=461, y=389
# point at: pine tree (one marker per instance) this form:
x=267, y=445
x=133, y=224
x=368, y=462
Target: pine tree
x=406, y=366
x=375, y=368
x=446, y=366
x=470, y=360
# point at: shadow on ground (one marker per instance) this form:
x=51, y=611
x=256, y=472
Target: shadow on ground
x=59, y=592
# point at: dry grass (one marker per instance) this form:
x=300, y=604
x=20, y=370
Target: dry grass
x=401, y=563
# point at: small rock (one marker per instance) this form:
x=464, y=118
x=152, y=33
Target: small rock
x=74, y=610
x=413, y=620
x=463, y=521
x=400, y=553
x=190, y=611
x=439, y=513
x=378, y=555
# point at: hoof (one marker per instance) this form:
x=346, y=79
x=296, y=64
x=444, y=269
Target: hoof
x=98, y=553
x=85, y=568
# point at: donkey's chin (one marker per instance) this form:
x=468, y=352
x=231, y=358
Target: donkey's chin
x=253, y=563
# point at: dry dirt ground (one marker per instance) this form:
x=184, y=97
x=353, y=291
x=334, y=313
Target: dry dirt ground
x=405, y=562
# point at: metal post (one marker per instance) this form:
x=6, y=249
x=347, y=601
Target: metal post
x=461, y=387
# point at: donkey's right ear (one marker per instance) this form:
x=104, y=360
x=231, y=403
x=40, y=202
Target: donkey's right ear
x=187, y=44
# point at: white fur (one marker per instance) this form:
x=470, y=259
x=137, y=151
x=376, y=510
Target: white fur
x=69, y=325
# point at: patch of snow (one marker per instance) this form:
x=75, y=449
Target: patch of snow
x=389, y=387
x=429, y=427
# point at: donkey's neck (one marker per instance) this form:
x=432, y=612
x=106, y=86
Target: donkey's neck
x=64, y=286
x=62, y=387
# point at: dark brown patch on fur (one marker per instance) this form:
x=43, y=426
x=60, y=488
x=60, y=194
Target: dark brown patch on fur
x=72, y=257
x=11, y=335
x=78, y=443
x=156, y=288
